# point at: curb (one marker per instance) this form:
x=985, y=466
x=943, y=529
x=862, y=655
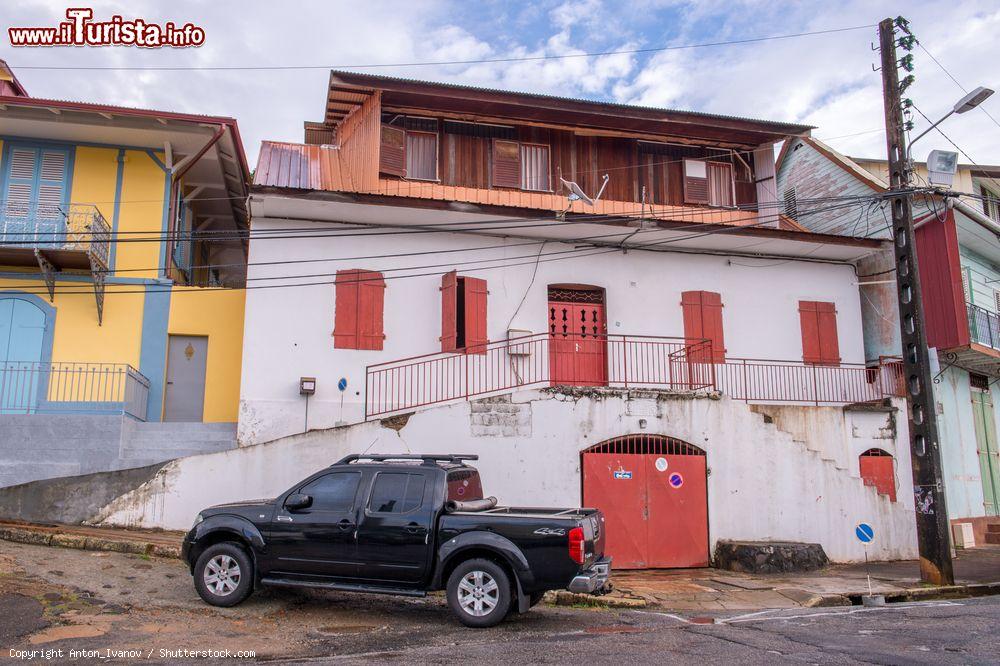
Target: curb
x=80, y=542
x=564, y=598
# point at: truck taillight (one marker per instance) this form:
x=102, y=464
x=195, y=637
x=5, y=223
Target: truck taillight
x=577, y=545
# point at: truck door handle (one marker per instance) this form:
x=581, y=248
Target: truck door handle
x=345, y=525
x=414, y=528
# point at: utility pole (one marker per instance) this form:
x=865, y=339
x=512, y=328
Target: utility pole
x=925, y=455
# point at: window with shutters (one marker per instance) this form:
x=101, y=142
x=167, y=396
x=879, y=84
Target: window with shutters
x=708, y=183
x=703, y=321
x=695, y=182
x=535, y=167
x=37, y=188
x=421, y=155
x=359, y=310
x=392, y=151
x=820, y=344
x=506, y=163
x=463, y=314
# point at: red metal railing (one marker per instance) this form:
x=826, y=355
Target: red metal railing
x=618, y=361
x=522, y=362
x=761, y=380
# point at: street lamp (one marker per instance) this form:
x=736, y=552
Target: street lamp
x=967, y=103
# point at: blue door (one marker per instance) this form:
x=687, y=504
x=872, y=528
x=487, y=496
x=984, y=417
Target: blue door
x=22, y=334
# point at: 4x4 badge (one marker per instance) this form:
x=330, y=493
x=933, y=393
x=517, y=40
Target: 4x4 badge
x=550, y=531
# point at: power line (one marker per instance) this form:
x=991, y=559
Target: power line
x=86, y=289
x=954, y=80
x=439, y=63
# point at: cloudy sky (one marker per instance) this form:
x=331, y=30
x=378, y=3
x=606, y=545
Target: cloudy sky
x=824, y=80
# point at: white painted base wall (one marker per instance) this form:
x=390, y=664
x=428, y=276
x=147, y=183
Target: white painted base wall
x=765, y=483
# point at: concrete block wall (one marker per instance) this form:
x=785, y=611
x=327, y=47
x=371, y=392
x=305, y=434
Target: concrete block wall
x=34, y=447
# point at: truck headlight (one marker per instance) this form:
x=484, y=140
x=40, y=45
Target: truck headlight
x=197, y=520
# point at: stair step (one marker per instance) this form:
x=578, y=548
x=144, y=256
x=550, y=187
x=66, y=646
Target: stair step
x=993, y=538
x=993, y=528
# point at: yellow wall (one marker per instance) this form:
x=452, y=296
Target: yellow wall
x=77, y=337
x=141, y=210
x=217, y=313
x=95, y=172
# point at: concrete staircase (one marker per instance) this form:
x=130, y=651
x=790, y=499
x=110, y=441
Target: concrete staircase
x=148, y=443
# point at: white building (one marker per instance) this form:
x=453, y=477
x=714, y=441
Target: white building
x=675, y=353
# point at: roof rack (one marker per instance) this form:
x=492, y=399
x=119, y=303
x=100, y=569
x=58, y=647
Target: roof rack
x=427, y=458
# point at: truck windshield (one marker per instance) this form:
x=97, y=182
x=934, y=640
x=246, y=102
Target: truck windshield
x=464, y=485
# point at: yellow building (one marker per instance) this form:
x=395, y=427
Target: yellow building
x=122, y=260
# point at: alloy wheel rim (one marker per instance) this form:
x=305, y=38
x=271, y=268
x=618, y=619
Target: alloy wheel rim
x=222, y=575
x=478, y=593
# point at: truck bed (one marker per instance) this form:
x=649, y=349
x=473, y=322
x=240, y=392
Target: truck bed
x=532, y=512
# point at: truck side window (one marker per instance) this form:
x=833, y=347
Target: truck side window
x=332, y=492
x=397, y=492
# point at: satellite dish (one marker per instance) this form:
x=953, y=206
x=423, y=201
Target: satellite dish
x=576, y=193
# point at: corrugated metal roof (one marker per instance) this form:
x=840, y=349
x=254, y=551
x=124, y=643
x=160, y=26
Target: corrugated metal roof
x=299, y=166
x=790, y=128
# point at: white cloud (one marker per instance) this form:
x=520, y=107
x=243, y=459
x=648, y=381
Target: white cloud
x=822, y=80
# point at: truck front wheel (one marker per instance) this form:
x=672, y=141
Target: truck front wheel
x=479, y=593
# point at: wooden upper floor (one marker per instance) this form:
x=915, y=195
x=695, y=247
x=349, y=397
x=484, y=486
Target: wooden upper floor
x=401, y=138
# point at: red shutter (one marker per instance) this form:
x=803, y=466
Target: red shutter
x=877, y=470
x=392, y=151
x=358, y=315
x=371, y=306
x=449, y=311
x=703, y=319
x=695, y=182
x=476, y=336
x=820, y=344
x=345, y=326
x=506, y=164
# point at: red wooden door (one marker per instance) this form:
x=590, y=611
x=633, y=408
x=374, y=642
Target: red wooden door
x=877, y=470
x=616, y=484
x=655, y=508
x=678, y=511
x=578, y=347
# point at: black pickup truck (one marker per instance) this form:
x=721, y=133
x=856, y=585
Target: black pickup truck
x=401, y=525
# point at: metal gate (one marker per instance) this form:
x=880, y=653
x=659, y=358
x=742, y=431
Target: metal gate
x=653, y=491
x=578, y=341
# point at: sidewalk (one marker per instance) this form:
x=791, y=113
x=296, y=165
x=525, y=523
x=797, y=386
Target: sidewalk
x=977, y=572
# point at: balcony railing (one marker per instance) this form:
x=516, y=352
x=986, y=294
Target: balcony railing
x=984, y=326
x=616, y=361
x=72, y=388
x=76, y=227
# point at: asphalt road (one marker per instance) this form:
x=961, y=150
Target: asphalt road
x=60, y=599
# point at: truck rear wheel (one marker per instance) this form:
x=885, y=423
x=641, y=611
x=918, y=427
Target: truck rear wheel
x=479, y=593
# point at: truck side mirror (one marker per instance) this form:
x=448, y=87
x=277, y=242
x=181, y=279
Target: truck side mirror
x=298, y=501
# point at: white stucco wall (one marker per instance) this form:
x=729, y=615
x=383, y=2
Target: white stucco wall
x=289, y=330
x=765, y=483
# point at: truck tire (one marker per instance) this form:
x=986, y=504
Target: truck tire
x=479, y=593
x=223, y=574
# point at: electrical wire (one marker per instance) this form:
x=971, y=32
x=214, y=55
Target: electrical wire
x=87, y=289
x=439, y=63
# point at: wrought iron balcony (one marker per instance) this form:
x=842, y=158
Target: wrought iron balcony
x=984, y=326
x=73, y=236
x=28, y=387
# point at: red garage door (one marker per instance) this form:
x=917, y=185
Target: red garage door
x=654, y=495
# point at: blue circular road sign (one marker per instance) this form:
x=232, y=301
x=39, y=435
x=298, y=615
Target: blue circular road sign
x=342, y=384
x=864, y=532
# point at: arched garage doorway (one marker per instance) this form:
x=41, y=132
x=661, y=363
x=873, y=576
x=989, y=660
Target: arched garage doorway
x=654, y=494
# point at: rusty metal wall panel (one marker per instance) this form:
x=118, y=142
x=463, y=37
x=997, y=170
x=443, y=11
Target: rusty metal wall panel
x=941, y=282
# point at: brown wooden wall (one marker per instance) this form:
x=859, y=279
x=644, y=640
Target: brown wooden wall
x=466, y=161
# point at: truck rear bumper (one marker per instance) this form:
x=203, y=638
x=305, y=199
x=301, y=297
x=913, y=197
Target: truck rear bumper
x=592, y=579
